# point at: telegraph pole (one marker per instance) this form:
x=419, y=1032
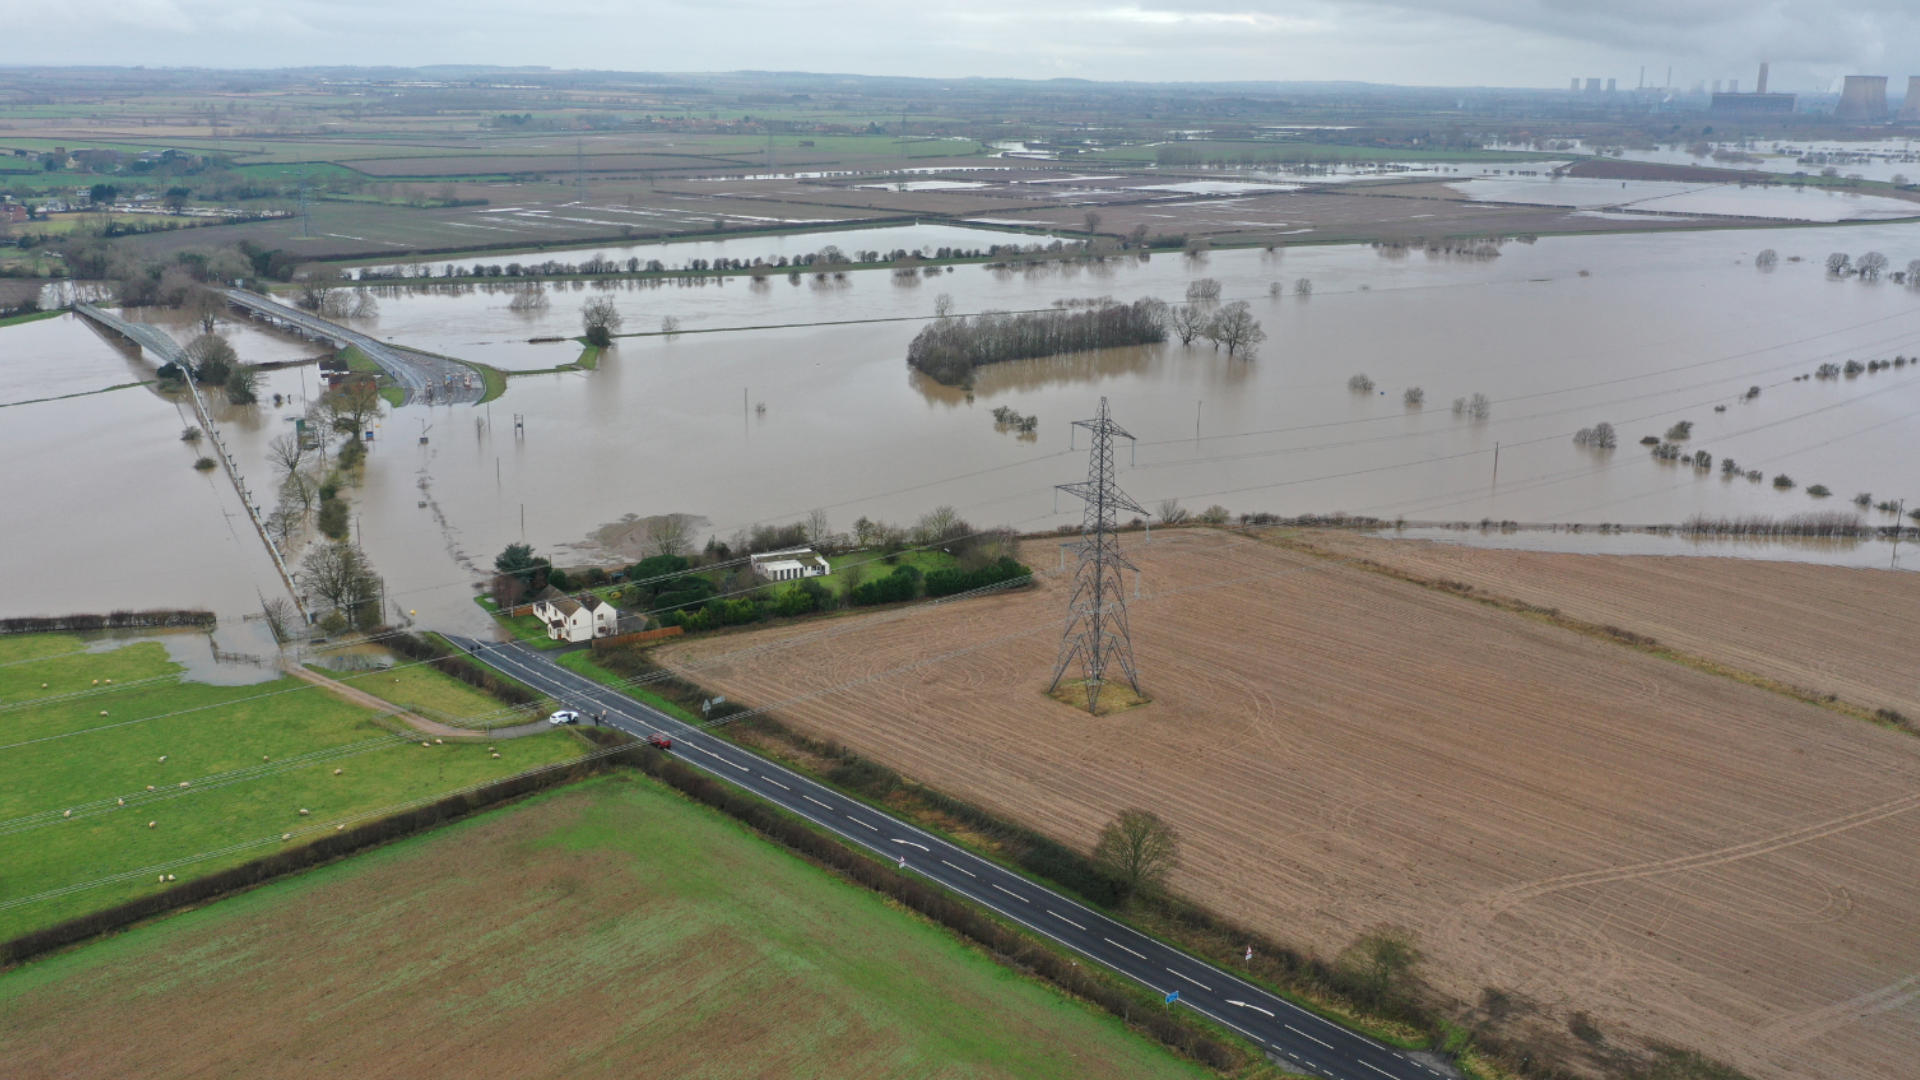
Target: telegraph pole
x=1097, y=634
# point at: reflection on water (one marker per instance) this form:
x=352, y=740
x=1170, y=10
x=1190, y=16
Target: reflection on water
x=1087, y=369
x=200, y=653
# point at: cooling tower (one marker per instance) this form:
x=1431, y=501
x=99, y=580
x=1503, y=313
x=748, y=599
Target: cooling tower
x=1911, y=110
x=1864, y=97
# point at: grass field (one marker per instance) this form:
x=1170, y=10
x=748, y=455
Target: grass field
x=63, y=753
x=611, y=927
x=1684, y=857
x=32, y=316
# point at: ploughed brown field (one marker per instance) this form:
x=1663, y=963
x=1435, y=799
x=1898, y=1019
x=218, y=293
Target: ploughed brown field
x=1684, y=857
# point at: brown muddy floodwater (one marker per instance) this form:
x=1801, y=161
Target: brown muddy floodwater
x=1661, y=328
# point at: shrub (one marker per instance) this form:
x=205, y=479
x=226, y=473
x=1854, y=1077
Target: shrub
x=352, y=453
x=949, y=582
x=901, y=585
x=1819, y=491
x=205, y=463
x=1679, y=431
x=1360, y=384
x=333, y=519
x=1783, y=481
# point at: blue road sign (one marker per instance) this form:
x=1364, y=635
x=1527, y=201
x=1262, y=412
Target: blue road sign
x=1173, y=997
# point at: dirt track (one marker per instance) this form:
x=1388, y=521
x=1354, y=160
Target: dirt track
x=1683, y=856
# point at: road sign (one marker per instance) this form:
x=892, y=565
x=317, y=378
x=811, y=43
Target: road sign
x=1173, y=997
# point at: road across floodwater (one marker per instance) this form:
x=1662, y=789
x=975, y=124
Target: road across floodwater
x=422, y=377
x=1304, y=1039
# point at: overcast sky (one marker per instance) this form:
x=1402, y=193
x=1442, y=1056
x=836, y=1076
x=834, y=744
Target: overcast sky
x=1539, y=43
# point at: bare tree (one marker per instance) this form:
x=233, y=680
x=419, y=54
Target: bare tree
x=943, y=305
x=1092, y=219
x=1839, y=263
x=530, y=301
x=1303, y=287
x=211, y=358
x=818, y=529
x=1871, y=264
x=285, y=453
x=1237, y=329
x=279, y=616
x=1414, y=397
x=601, y=320
x=1766, y=259
x=670, y=326
x=1478, y=407
x=1171, y=512
x=1380, y=964
x=339, y=576
x=1204, y=290
x=936, y=525
x=205, y=306
x=1360, y=384
x=670, y=534
x=1138, y=849
x=353, y=403
x=316, y=283
x=1187, y=321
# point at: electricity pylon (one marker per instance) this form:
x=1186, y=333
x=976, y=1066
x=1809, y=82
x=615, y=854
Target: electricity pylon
x=1097, y=633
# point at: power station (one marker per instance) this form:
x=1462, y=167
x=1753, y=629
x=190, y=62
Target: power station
x=1757, y=102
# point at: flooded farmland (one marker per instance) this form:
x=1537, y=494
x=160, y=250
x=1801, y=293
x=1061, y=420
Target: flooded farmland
x=784, y=396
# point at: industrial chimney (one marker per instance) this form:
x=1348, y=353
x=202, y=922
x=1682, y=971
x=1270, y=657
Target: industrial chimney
x=1911, y=109
x=1762, y=87
x=1863, y=97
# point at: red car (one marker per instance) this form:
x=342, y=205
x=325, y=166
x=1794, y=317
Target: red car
x=660, y=741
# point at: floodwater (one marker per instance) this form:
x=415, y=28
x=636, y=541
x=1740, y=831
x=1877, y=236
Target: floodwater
x=1860, y=554
x=1637, y=330
x=1781, y=203
x=1880, y=160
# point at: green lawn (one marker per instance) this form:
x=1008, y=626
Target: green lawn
x=873, y=566
x=525, y=627
x=611, y=926
x=32, y=316
x=203, y=731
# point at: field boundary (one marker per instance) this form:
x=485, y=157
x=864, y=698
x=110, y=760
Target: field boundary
x=1604, y=632
x=268, y=868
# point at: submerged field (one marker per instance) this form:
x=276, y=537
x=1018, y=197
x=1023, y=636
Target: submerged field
x=608, y=929
x=228, y=765
x=1580, y=826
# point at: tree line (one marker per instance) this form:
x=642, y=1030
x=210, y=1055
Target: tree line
x=948, y=350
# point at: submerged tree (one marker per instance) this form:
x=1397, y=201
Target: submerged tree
x=1236, y=328
x=601, y=320
x=339, y=576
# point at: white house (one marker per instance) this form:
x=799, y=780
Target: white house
x=790, y=565
x=576, y=619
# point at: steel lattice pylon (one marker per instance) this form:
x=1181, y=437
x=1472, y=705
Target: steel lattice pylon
x=1097, y=631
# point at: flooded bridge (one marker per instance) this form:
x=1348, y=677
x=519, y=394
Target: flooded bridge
x=421, y=376
x=151, y=339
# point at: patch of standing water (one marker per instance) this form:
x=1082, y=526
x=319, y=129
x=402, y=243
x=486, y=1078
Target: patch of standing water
x=1863, y=554
x=198, y=652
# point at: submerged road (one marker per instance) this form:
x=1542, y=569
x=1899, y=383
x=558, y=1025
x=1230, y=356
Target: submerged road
x=422, y=377
x=1302, y=1038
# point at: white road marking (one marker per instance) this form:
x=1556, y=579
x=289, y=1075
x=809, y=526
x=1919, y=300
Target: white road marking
x=1308, y=1037
x=962, y=869
x=1255, y=1008
x=776, y=783
x=910, y=843
x=1121, y=947
x=815, y=801
x=1015, y=895
x=1192, y=980
x=857, y=821
x=1066, y=920
x=1376, y=1068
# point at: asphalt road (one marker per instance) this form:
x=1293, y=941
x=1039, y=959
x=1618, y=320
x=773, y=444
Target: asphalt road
x=1298, y=1037
x=422, y=377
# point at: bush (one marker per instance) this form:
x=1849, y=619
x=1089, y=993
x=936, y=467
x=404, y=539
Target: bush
x=949, y=582
x=801, y=598
x=352, y=453
x=205, y=463
x=333, y=519
x=901, y=585
x=1819, y=491
x=1783, y=481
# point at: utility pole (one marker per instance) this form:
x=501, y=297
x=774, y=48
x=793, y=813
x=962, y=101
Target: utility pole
x=1496, y=464
x=1097, y=634
x=1898, y=511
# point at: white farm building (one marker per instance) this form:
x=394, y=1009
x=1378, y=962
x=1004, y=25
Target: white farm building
x=790, y=565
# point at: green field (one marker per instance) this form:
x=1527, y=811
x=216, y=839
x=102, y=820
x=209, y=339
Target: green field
x=611, y=926
x=203, y=731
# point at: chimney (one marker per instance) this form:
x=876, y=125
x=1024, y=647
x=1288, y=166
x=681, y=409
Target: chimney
x=1761, y=86
x=1733, y=86
x=1863, y=97
x=1910, y=109
x=1610, y=83
x=1716, y=86
x=1576, y=85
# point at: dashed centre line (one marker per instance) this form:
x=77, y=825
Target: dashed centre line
x=1064, y=919
x=962, y=869
x=776, y=783
x=1376, y=1068
x=1307, y=1037
x=1122, y=948
x=1191, y=979
x=857, y=821
x=1015, y=895
x=816, y=802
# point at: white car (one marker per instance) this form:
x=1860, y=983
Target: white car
x=564, y=716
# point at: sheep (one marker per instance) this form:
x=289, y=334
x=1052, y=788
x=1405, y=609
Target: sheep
x=427, y=744
x=68, y=813
x=264, y=757
x=170, y=877
x=339, y=828
x=496, y=755
x=163, y=759
x=120, y=802
x=103, y=712
x=440, y=741
x=184, y=783
x=163, y=877
x=96, y=682
x=43, y=686
x=109, y=682
x=149, y=787
x=303, y=811
x=152, y=824
x=337, y=772
x=286, y=836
